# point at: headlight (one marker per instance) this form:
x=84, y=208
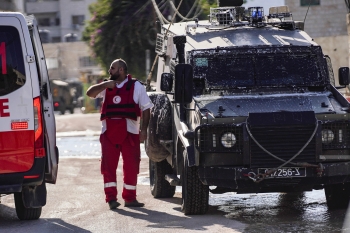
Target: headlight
x=228, y=140
x=327, y=136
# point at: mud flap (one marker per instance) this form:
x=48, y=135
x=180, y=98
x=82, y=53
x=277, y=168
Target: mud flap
x=159, y=128
x=34, y=196
x=191, y=156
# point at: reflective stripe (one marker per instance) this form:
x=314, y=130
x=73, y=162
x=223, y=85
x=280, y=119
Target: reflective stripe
x=110, y=184
x=129, y=187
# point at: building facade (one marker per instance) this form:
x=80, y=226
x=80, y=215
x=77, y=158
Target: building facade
x=63, y=19
x=61, y=23
x=71, y=61
x=325, y=22
x=12, y=5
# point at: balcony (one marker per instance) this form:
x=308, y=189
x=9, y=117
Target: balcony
x=42, y=7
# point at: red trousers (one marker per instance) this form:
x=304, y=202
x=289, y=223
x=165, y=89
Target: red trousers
x=130, y=150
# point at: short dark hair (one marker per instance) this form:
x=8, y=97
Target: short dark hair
x=122, y=64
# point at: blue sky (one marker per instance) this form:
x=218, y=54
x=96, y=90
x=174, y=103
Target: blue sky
x=264, y=3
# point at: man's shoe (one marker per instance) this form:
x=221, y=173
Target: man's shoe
x=113, y=204
x=133, y=204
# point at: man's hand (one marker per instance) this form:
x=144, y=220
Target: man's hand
x=94, y=90
x=143, y=135
x=110, y=83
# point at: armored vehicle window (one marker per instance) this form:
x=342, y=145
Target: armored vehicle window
x=225, y=71
x=258, y=67
x=12, y=71
x=287, y=70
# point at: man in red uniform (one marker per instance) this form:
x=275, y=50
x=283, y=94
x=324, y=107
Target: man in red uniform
x=124, y=101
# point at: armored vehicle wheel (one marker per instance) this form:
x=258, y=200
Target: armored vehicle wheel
x=159, y=186
x=62, y=109
x=71, y=110
x=195, y=195
x=24, y=213
x=337, y=195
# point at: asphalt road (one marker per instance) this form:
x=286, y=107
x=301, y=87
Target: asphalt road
x=76, y=202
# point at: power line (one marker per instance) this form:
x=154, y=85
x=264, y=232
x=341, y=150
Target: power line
x=197, y=12
x=195, y=5
x=347, y=3
x=148, y=80
x=161, y=18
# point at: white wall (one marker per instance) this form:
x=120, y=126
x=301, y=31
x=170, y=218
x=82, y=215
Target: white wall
x=264, y=3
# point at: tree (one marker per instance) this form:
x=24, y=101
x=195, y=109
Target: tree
x=121, y=29
x=126, y=28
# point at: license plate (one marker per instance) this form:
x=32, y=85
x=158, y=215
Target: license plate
x=284, y=172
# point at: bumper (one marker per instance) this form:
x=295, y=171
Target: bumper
x=13, y=182
x=240, y=179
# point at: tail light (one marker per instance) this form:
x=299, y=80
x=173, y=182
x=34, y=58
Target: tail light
x=38, y=129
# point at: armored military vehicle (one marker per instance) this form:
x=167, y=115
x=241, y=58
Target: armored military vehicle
x=246, y=103
x=63, y=96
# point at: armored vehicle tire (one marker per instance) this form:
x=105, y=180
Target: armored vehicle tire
x=24, y=213
x=195, y=195
x=71, y=110
x=62, y=109
x=337, y=195
x=159, y=186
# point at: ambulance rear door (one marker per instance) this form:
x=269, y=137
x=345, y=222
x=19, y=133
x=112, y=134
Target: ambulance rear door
x=52, y=153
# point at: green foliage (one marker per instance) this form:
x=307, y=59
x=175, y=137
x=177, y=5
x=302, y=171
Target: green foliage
x=126, y=28
x=122, y=29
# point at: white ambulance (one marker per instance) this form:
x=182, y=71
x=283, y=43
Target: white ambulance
x=28, y=152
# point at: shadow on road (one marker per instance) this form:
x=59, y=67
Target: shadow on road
x=164, y=220
x=10, y=223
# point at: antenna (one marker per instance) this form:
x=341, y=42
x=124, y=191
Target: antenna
x=307, y=11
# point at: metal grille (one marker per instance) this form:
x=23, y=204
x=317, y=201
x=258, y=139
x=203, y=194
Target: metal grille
x=338, y=135
x=172, y=67
x=222, y=16
x=159, y=44
x=209, y=138
x=283, y=142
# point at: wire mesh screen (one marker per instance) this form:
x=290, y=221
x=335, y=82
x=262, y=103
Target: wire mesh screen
x=159, y=44
x=219, y=138
x=336, y=135
x=223, y=16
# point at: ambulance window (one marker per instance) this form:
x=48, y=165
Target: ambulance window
x=12, y=71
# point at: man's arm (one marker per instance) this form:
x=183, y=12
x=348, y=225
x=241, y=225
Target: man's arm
x=145, y=120
x=94, y=90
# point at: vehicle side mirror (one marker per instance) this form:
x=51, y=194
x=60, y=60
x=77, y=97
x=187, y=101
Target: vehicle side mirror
x=183, y=83
x=166, y=82
x=343, y=75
